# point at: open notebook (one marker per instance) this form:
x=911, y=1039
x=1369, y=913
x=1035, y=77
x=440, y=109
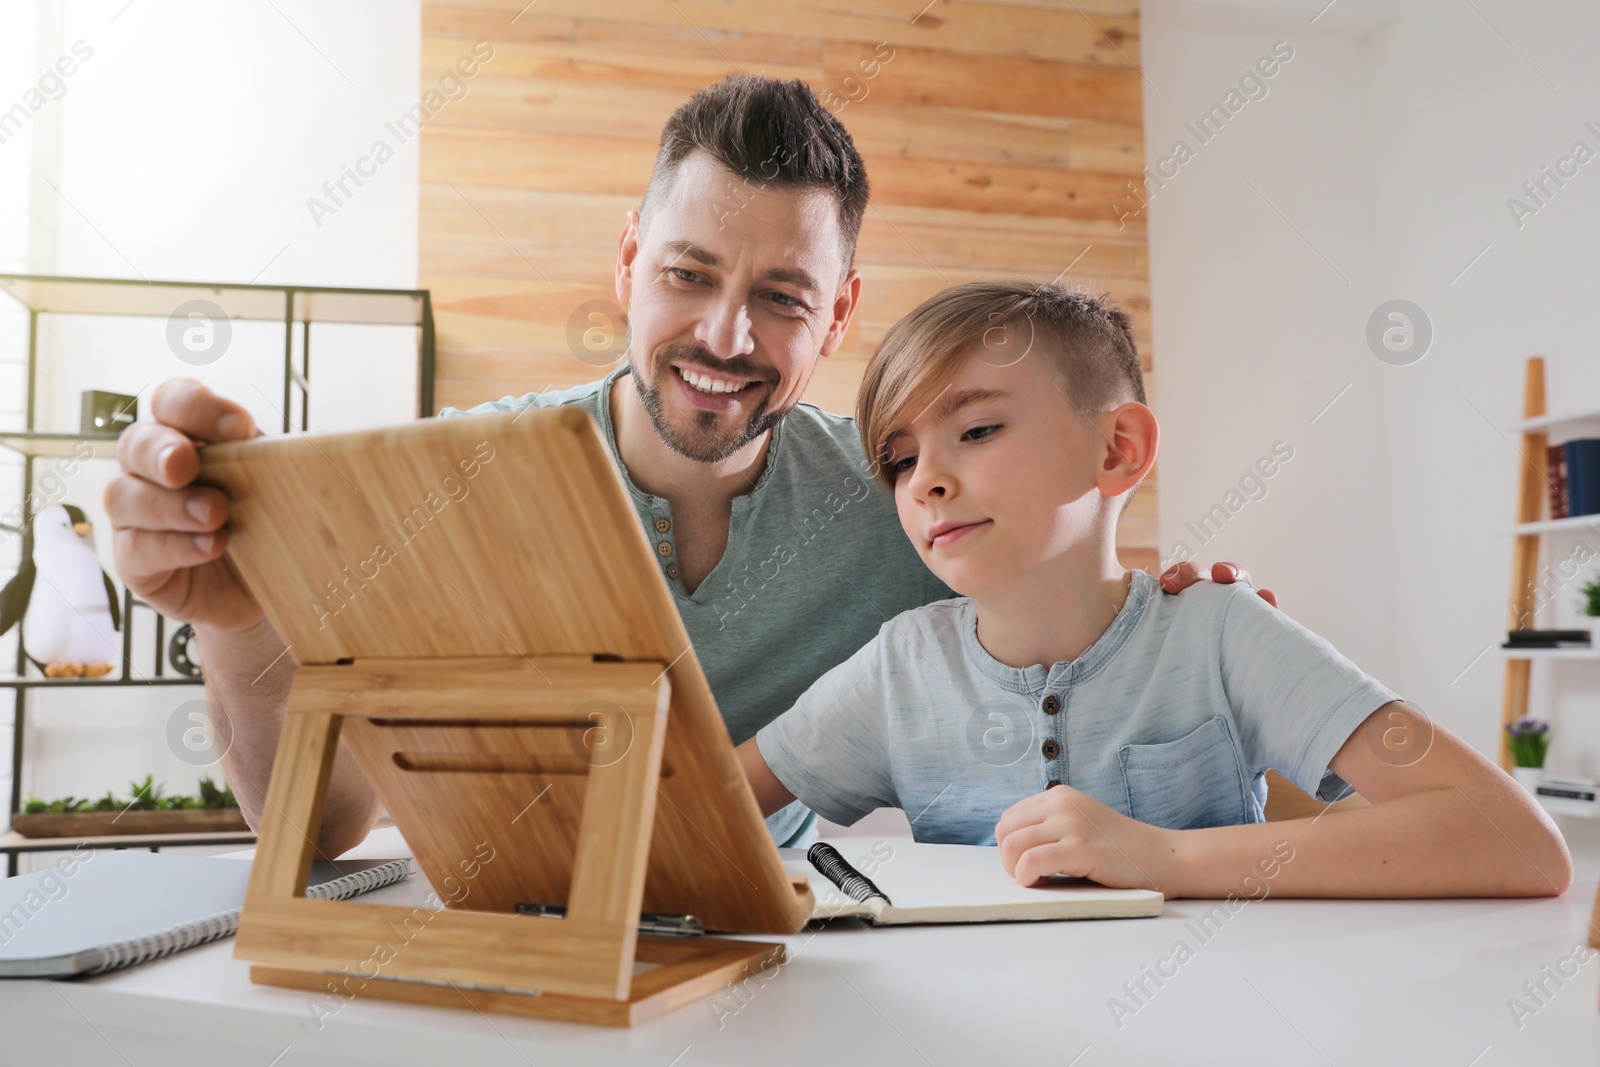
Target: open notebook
x=117, y=908
x=919, y=883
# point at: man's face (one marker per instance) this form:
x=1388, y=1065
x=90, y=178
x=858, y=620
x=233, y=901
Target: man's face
x=732, y=294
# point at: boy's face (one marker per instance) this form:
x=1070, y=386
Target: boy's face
x=999, y=474
x=736, y=284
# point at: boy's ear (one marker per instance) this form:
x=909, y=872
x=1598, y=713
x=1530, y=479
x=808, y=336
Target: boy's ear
x=1132, y=435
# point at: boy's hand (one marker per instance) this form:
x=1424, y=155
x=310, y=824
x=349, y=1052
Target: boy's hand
x=1180, y=576
x=1065, y=831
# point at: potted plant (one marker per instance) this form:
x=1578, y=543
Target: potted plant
x=1590, y=604
x=1530, y=741
x=147, y=811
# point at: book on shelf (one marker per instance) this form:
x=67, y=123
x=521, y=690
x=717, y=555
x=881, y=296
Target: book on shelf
x=1581, y=783
x=1548, y=639
x=1556, y=471
x=1570, y=787
x=1568, y=795
x=1583, y=476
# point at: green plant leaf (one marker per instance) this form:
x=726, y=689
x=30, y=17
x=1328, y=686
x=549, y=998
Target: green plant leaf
x=147, y=795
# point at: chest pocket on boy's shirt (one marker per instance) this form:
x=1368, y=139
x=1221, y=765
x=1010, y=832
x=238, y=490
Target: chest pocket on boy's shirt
x=1195, y=781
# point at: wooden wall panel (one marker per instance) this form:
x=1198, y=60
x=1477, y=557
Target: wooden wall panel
x=996, y=139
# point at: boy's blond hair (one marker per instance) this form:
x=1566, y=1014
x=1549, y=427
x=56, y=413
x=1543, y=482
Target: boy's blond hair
x=1087, y=339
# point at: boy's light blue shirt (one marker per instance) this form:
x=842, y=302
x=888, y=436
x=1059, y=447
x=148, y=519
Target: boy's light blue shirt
x=1171, y=718
x=815, y=563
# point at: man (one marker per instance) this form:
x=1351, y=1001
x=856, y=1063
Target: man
x=783, y=558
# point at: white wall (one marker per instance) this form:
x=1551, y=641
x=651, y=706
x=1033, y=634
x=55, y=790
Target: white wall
x=1391, y=143
x=1261, y=278
x=188, y=146
x=1463, y=116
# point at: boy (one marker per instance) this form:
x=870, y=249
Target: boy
x=1012, y=431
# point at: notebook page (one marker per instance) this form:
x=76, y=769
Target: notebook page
x=925, y=876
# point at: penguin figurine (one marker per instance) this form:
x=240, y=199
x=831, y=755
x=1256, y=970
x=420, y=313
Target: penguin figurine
x=64, y=599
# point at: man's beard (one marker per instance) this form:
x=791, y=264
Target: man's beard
x=702, y=440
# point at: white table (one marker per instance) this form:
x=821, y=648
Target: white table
x=1318, y=983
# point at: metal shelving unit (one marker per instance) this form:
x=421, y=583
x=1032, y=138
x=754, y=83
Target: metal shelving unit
x=291, y=305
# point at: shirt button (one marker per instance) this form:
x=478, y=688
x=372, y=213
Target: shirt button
x=665, y=548
x=1052, y=783
x=672, y=570
x=1051, y=705
x=1050, y=749
x=663, y=525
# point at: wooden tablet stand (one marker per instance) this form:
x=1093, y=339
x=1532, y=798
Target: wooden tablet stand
x=519, y=735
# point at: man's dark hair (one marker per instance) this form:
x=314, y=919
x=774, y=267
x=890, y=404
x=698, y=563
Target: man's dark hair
x=771, y=133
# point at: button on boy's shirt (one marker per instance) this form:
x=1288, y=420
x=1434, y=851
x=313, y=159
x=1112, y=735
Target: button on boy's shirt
x=1172, y=717
x=816, y=562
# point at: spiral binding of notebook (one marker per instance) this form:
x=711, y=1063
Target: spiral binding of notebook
x=140, y=950
x=851, y=882
x=359, y=882
x=223, y=924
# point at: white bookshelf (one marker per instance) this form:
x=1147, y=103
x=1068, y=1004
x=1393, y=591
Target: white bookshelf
x=1557, y=806
x=1579, y=801
x=1530, y=532
x=1557, y=427
x=1543, y=526
x=1551, y=653
x=1546, y=423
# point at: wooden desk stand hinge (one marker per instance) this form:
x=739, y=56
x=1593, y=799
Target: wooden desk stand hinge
x=579, y=968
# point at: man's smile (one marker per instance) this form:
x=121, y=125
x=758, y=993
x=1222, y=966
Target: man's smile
x=705, y=389
x=707, y=381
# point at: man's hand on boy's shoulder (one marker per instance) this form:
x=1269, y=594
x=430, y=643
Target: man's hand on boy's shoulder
x=1066, y=831
x=1180, y=576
